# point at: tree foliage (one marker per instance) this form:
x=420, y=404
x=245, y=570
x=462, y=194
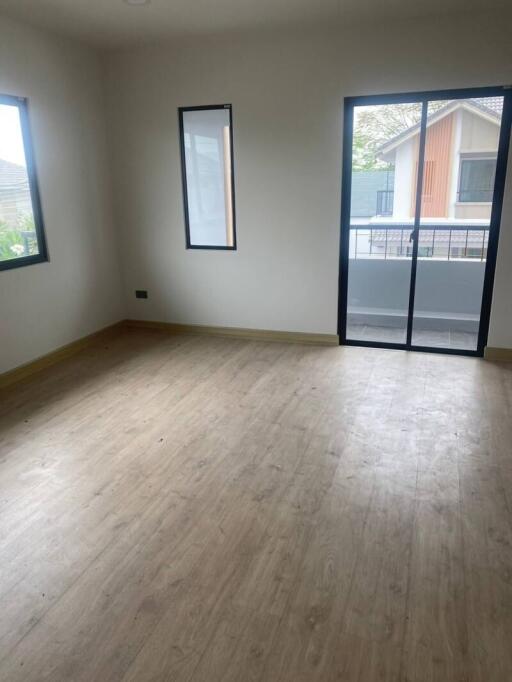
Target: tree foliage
x=377, y=124
x=15, y=240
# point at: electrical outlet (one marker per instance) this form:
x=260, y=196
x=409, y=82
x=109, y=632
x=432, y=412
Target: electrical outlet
x=141, y=293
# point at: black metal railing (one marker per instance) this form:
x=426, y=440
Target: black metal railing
x=385, y=202
x=441, y=242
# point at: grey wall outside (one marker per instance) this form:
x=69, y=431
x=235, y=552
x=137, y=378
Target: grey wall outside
x=451, y=288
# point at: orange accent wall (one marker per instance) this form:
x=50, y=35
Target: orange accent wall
x=436, y=171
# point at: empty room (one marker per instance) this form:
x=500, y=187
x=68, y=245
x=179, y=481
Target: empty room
x=255, y=341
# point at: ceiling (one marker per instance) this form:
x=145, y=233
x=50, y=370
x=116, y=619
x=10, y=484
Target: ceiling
x=112, y=23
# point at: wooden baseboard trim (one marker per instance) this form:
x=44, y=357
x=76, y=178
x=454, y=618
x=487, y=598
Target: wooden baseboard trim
x=239, y=333
x=34, y=366
x=17, y=374
x=498, y=354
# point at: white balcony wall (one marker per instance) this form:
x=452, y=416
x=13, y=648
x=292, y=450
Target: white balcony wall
x=449, y=292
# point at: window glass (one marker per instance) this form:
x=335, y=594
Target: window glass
x=477, y=179
x=208, y=177
x=21, y=239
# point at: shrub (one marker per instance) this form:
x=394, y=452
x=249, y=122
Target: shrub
x=13, y=243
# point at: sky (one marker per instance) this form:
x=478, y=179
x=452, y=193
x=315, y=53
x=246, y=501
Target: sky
x=11, y=142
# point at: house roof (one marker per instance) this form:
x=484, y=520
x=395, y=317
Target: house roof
x=12, y=176
x=489, y=108
x=494, y=104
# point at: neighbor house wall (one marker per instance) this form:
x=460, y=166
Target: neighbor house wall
x=477, y=136
x=406, y=163
x=47, y=305
x=287, y=96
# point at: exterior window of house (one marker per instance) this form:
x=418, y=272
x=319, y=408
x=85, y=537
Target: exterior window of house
x=476, y=179
x=21, y=225
x=206, y=139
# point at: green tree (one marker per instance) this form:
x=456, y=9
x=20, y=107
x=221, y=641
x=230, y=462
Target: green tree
x=15, y=241
x=377, y=124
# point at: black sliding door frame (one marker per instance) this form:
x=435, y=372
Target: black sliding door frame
x=423, y=98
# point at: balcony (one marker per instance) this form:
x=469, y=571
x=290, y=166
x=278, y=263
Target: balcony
x=450, y=274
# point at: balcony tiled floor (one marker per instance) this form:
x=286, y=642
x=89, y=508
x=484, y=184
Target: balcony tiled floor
x=423, y=337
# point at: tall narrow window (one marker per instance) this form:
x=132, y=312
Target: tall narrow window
x=21, y=225
x=206, y=139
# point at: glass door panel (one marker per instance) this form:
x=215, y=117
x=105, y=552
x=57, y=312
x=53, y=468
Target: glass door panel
x=385, y=155
x=459, y=166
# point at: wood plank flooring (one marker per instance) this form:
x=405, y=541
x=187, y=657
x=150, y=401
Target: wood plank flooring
x=195, y=509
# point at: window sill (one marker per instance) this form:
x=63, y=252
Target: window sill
x=473, y=203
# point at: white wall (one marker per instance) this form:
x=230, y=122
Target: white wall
x=478, y=135
x=47, y=305
x=287, y=146
x=287, y=95
x=406, y=161
x=500, y=332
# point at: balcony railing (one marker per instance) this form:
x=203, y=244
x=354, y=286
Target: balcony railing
x=440, y=242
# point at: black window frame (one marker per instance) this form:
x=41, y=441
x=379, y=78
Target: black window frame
x=42, y=256
x=206, y=107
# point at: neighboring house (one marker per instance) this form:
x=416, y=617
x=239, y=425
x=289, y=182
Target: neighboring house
x=460, y=161
x=459, y=171
x=15, y=200
x=372, y=193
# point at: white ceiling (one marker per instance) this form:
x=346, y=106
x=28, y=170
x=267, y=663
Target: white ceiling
x=112, y=23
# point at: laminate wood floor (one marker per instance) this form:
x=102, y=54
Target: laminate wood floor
x=198, y=509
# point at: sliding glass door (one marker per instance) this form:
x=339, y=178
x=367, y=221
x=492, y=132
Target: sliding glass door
x=380, y=249
x=423, y=179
